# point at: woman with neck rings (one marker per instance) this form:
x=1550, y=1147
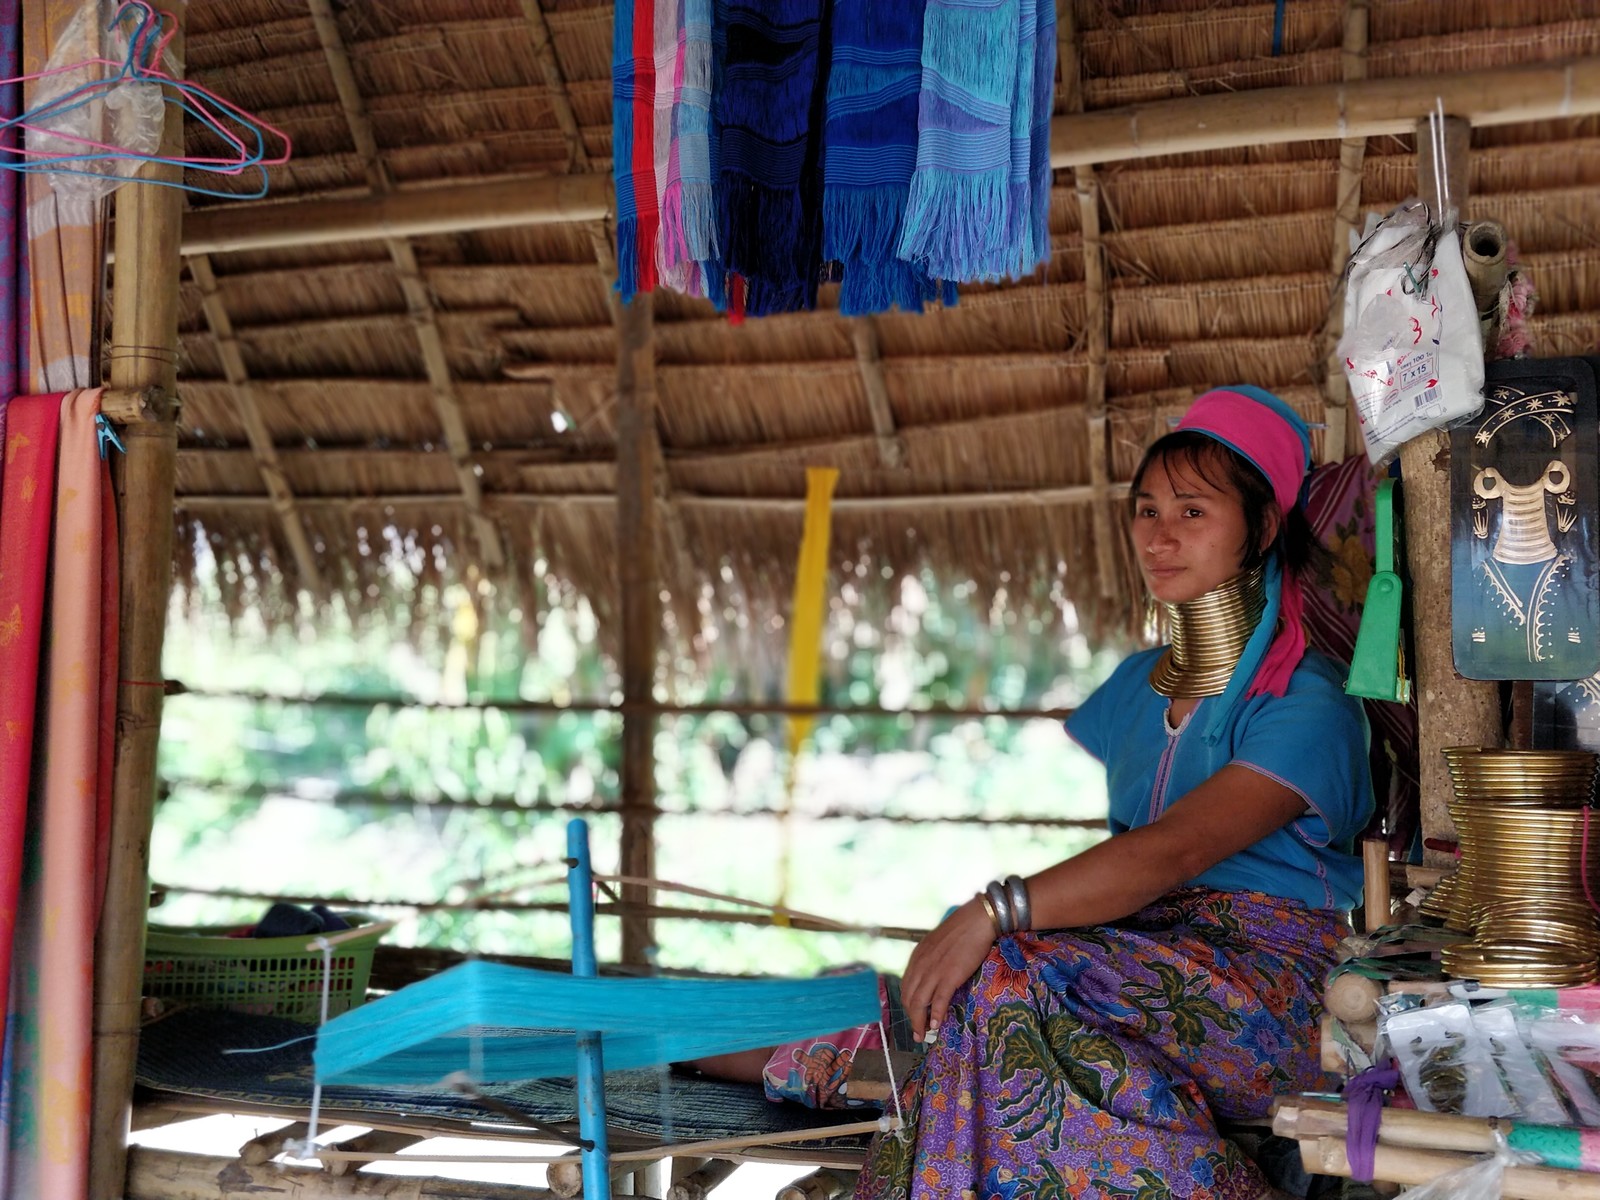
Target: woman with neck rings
x=1092, y=1024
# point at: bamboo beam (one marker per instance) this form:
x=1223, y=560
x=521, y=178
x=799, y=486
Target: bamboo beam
x=1313, y=112
x=869, y=361
x=638, y=465
x=173, y=1175
x=1451, y=711
x=248, y=404
x=544, y=54
x=143, y=355
x=1187, y=125
x=419, y=303
x=1343, y=436
x=1409, y=1166
x=1096, y=307
x=947, y=501
x=651, y=706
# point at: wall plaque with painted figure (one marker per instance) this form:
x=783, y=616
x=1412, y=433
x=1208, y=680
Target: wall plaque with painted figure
x=1525, y=601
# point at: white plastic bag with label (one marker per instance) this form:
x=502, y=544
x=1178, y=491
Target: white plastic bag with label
x=1412, y=346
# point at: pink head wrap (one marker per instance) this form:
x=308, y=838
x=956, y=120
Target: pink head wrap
x=1273, y=438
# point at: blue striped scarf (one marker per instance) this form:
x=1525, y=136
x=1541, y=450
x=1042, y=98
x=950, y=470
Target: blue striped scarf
x=979, y=202
x=768, y=109
x=872, y=153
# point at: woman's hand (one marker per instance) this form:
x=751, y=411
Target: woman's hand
x=942, y=962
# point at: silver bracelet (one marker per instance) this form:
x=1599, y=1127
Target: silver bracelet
x=1002, y=906
x=1021, y=909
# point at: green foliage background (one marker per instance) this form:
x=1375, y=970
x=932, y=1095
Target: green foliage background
x=379, y=802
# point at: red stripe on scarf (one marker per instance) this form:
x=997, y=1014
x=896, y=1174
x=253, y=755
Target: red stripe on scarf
x=644, y=125
x=33, y=427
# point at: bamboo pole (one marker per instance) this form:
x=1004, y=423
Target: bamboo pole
x=1451, y=711
x=869, y=360
x=1187, y=125
x=144, y=355
x=559, y=98
x=1052, y=497
x=1343, y=436
x=703, y=1177
x=267, y=1146
x=130, y=406
x=173, y=1175
x=776, y=708
x=1405, y=1165
x=638, y=463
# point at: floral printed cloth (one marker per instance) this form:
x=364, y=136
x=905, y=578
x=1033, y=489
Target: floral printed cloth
x=1097, y=1062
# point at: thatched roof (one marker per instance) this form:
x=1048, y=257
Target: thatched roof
x=1220, y=269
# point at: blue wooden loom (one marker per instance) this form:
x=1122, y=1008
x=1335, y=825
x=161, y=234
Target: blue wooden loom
x=499, y=1024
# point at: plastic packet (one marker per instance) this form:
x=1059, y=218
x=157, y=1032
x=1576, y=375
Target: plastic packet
x=1478, y=1180
x=128, y=116
x=1412, y=346
x=1573, y=1051
x=1446, y=1063
x=1536, y=1100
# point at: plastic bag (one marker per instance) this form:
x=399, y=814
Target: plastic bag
x=1536, y=1100
x=1478, y=1180
x=1446, y=1062
x=1572, y=1049
x=1412, y=346
x=128, y=116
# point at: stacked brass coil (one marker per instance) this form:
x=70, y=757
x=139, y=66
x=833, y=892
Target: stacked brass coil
x=1207, y=636
x=1519, y=888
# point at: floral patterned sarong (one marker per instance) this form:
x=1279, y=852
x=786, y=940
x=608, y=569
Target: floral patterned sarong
x=1097, y=1062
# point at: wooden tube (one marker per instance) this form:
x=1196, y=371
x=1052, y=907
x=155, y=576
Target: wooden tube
x=1483, y=250
x=821, y=1184
x=1377, y=900
x=267, y=1146
x=131, y=406
x=1403, y=1164
x=173, y=1175
x=698, y=1183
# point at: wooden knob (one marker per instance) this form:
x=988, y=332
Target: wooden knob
x=1353, y=998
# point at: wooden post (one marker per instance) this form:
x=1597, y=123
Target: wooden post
x=174, y=1175
x=1451, y=711
x=144, y=354
x=638, y=461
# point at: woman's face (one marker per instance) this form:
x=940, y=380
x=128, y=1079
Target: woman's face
x=1189, y=534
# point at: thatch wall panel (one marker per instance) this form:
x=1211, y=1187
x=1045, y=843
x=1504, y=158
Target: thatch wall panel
x=1567, y=281
x=210, y=48
x=1137, y=196
x=272, y=297
x=1483, y=48
x=319, y=173
x=711, y=406
x=299, y=257
x=1565, y=333
x=1240, y=249
x=1563, y=219
x=289, y=69
x=595, y=345
x=1315, y=66
x=1041, y=319
x=1394, y=20
x=368, y=21
x=334, y=411
x=1272, y=307
x=558, y=295
x=929, y=391
x=1186, y=40
x=520, y=245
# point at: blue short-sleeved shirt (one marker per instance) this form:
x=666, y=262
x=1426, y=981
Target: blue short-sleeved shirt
x=1313, y=739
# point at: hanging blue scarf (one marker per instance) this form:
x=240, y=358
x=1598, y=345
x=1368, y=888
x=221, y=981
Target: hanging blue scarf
x=768, y=109
x=871, y=154
x=979, y=198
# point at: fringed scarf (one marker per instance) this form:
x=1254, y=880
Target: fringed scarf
x=872, y=153
x=669, y=50
x=769, y=113
x=633, y=86
x=688, y=214
x=979, y=198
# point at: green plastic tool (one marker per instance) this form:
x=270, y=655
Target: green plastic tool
x=1378, y=666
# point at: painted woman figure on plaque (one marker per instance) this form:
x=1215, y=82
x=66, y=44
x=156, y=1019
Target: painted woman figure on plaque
x=1524, y=558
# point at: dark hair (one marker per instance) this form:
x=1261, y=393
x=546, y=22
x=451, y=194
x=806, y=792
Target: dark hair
x=1227, y=470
